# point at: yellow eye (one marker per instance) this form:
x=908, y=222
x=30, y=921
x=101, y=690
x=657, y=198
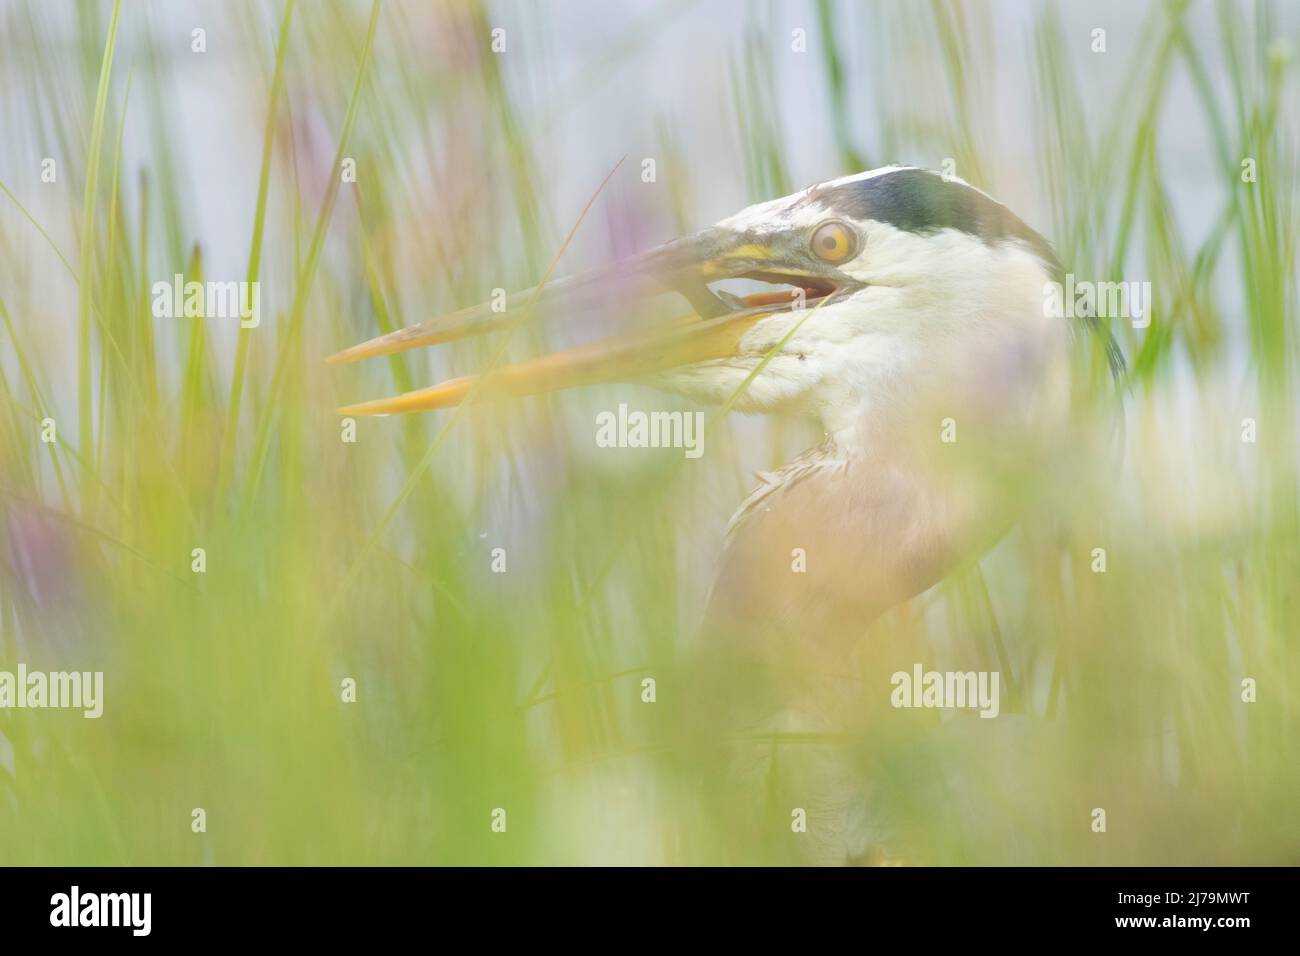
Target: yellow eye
x=834, y=242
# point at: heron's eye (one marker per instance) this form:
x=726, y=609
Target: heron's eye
x=834, y=242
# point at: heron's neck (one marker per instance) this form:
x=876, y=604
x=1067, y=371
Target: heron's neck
x=984, y=393
x=870, y=429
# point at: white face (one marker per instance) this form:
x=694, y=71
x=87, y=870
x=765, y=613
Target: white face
x=942, y=318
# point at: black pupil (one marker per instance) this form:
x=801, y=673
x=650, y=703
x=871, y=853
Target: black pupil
x=828, y=242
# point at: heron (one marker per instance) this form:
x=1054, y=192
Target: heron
x=906, y=315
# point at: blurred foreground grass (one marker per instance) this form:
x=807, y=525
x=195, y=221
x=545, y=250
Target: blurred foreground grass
x=327, y=560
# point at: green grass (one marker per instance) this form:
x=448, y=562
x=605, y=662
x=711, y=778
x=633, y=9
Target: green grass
x=328, y=560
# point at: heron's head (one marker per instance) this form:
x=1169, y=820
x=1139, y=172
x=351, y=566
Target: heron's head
x=884, y=285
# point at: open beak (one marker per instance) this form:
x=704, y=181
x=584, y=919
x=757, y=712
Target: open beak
x=686, y=266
